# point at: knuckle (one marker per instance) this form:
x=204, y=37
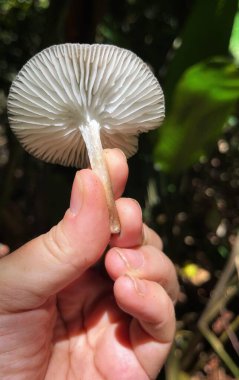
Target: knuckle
x=57, y=244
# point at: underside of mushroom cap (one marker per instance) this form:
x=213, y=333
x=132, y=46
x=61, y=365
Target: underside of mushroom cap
x=64, y=87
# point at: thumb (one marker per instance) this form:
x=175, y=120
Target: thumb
x=47, y=264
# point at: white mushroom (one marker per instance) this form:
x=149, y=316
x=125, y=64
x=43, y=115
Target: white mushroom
x=70, y=101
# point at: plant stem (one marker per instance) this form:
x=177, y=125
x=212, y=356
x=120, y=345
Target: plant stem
x=91, y=136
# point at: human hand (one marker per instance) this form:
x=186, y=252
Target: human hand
x=63, y=317
x=4, y=250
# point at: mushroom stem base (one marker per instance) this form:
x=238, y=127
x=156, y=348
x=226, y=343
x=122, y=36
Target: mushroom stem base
x=91, y=136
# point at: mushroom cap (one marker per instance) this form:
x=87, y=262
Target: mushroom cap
x=65, y=86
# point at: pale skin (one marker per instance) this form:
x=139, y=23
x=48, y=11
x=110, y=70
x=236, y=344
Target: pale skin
x=64, y=316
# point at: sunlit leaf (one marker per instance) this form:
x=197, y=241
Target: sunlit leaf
x=234, y=41
x=206, y=34
x=203, y=100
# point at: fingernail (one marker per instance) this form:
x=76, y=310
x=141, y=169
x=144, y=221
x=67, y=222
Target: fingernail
x=139, y=285
x=132, y=259
x=76, y=195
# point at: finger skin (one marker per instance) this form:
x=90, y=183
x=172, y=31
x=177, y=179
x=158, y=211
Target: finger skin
x=4, y=250
x=145, y=262
x=138, y=250
x=49, y=263
x=130, y=215
x=53, y=267
x=118, y=170
x=133, y=231
x=150, y=237
x=153, y=329
x=148, y=302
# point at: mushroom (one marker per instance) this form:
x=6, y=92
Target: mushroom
x=71, y=101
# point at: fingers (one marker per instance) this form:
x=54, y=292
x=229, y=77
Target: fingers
x=151, y=238
x=148, y=302
x=118, y=169
x=48, y=263
x=52, y=261
x=133, y=231
x=153, y=327
x=4, y=250
x=145, y=286
x=145, y=262
x=130, y=215
x=137, y=251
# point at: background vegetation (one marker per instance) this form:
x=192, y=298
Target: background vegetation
x=186, y=174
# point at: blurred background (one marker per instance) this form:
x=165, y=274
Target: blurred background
x=186, y=173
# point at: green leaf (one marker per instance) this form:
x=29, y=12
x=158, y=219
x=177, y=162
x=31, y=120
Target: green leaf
x=234, y=40
x=206, y=34
x=204, y=99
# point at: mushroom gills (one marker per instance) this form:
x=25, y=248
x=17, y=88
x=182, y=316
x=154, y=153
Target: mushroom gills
x=91, y=136
x=71, y=99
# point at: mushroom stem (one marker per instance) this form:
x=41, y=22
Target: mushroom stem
x=91, y=136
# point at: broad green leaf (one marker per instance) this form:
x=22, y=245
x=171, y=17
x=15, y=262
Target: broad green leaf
x=203, y=100
x=234, y=40
x=206, y=34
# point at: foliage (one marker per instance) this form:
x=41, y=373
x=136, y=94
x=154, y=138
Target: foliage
x=186, y=174
x=204, y=98
x=209, y=27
